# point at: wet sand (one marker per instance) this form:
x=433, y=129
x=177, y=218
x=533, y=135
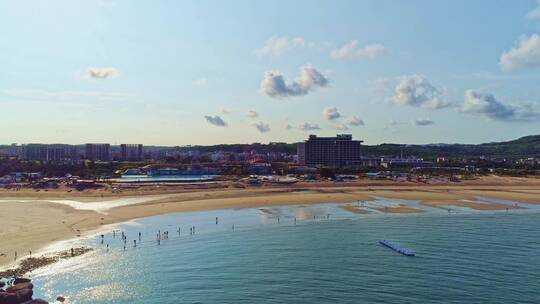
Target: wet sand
x=399, y=209
x=471, y=204
x=354, y=209
x=31, y=221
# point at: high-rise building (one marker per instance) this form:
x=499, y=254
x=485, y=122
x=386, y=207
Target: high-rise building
x=131, y=152
x=337, y=151
x=54, y=152
x=98, y=152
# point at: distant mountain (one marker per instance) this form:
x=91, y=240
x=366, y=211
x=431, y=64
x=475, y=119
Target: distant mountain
x=528, y=146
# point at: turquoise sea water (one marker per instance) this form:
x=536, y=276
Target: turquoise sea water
x=462, y=257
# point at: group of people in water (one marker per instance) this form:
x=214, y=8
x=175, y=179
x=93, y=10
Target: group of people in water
x=164, y=235
x=160, y=236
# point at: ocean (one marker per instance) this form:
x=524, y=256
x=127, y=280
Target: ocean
x=327, y=256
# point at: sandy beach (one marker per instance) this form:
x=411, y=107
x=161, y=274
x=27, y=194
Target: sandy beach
x=31, y=220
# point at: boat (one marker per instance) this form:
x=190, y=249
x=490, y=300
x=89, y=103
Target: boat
x=397, y=248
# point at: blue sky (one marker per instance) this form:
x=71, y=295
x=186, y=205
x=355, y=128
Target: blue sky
x=204, y=72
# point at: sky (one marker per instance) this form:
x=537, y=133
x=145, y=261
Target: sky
x=210, y=72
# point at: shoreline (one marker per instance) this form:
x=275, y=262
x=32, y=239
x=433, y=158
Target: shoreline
x=33, y=221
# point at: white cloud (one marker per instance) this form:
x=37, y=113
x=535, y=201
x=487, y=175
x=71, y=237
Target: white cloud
x=252, y=114
x=277, y=46
x=525, y=55
x=423, y=122
x=351, y=50
x=535, y=13
x=331, y=113
x=201, y=82
x=393, y=125
x=261, y=126
x=340, y=127
x=275, y=86
x=224, y=111
x=102, y=73
x=355, y=121
x=487, y=105
x=215, y=120
x=308, y=127
x=417, y=91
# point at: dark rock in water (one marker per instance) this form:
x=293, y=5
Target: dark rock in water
x=20, y=286
x=24, y=295
x=60, y=299
x=2, y=284
x=36, y=301
x=21, y=280
x=8, y=298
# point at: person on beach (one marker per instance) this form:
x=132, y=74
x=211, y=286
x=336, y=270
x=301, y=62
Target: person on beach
x=107, y=247
x=295, y=220
x=72, y=252
x=102, y=236
x=139, y=236
x=216, y=220
x=114, y=234
x=278, y=219
x=134, y=243
x=15, y=255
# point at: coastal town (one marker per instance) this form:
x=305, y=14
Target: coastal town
x=339, y=159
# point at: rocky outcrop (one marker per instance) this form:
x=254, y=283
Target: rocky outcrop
x=20, y=290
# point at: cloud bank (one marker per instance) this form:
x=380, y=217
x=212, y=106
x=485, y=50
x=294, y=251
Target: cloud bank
x=308, y=127
x=355, y=122
x=417, y=91
x=331, y=113
x=423, y=122
x=526, y=54
x=275, y=86
x=277, y=46
x=215, y=120
x=252, y=114
x=102, y=73
x=535, y=13
x=261, y=126
x=351, y=50
x=486, y=104
x=340, y=127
